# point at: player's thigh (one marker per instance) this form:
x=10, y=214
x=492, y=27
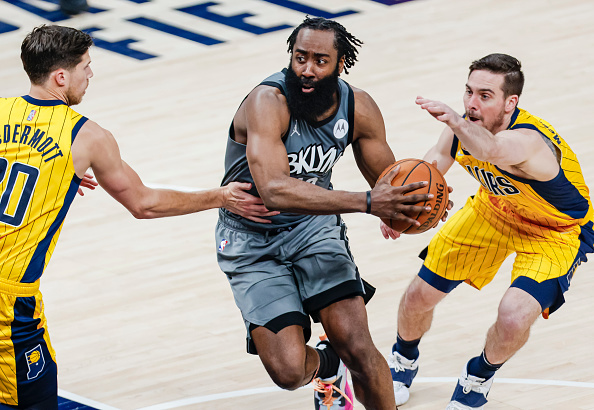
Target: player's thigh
x=468, y=247
x=263, y=285
x=284, y=349
x=546, y=272
x=323, y=265
x=28, y=372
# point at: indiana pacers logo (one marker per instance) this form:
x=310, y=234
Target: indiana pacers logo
x=341, y=129
x=35, y=362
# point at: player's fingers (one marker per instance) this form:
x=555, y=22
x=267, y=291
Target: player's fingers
x=405, y=210
x=413, y=186
x=392, y=233
x=414, y=198
x=384, y=231
x=265, y=212
x=399, y=216
x=244, y=186
x=256, y=219
x=390, y=175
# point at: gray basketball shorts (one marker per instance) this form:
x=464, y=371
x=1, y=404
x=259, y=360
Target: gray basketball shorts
x=281, y=277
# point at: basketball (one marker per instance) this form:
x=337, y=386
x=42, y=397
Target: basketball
x=416, y=170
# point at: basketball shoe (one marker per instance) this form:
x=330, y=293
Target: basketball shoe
x=333, y=393
x=471, y=392
x=403, y=372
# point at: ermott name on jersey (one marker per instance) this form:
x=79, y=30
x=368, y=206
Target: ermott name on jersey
x=497, y=185
x=18, y=135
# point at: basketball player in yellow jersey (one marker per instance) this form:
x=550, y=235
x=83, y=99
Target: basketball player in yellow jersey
x=532, y=201
x=46, y=147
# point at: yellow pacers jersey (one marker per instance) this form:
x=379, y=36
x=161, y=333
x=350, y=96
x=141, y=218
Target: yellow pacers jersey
x=535, y=208
x=37, y=182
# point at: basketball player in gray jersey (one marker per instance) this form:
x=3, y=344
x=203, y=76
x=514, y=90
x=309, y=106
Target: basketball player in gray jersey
x=285, y=137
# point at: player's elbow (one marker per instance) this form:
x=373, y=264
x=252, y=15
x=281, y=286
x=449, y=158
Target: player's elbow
x=273, y=195
x=142, y=209
x=141, y=213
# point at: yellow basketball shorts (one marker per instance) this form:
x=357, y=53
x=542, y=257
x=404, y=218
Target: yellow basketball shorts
x=28, y=372
x=474, y=242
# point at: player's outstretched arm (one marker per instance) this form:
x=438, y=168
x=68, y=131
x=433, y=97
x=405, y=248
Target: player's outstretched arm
x=522, y=152
x=96, y=148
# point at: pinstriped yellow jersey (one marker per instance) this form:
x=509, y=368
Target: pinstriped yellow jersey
x=37, y=182
x=562, y=204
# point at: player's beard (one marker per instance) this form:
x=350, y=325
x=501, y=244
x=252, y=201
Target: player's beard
x=310, y=106
x=73, y=98
x=493, y=126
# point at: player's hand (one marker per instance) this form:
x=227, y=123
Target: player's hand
x=439, y=110
x=89, y=182
x=238, y=201
x=392, y=202
x=388, y=232
x=450, y=203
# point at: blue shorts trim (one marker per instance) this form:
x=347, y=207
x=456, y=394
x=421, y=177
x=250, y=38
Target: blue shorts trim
x=548, y=293
x=439, y=283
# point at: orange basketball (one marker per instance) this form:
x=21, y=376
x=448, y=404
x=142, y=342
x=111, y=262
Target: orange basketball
x=416, y=170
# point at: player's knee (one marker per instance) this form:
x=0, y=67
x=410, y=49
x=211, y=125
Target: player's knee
x=287, y=376
x=359, y=355
x=512, y=324
x=421, y=297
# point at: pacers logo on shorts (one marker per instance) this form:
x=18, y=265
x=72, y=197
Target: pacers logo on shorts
x=35, y=362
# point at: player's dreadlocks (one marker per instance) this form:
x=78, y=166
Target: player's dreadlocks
x=344, y=42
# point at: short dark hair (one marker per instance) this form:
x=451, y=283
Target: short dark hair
x=510, y=67
x=48, y=48
x=344, y=42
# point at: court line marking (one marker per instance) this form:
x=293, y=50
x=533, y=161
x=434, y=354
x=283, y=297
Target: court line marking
x=251, y=392
x=83, y=400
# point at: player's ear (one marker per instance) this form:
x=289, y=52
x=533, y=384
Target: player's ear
x=59, y=76
x=340, y=65
x=510, y=103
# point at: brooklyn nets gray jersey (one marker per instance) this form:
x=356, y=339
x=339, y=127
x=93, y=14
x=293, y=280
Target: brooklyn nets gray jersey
x=312, y=150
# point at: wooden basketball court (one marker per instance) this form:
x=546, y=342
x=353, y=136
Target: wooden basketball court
x=139, y=313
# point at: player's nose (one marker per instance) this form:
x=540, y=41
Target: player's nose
x=307, y=70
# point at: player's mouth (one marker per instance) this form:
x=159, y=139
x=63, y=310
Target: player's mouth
x=472, y=118
x=307, y=88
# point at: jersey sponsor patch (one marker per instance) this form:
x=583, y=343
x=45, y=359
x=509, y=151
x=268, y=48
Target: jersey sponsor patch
x=341, y=128
x=35, y=361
